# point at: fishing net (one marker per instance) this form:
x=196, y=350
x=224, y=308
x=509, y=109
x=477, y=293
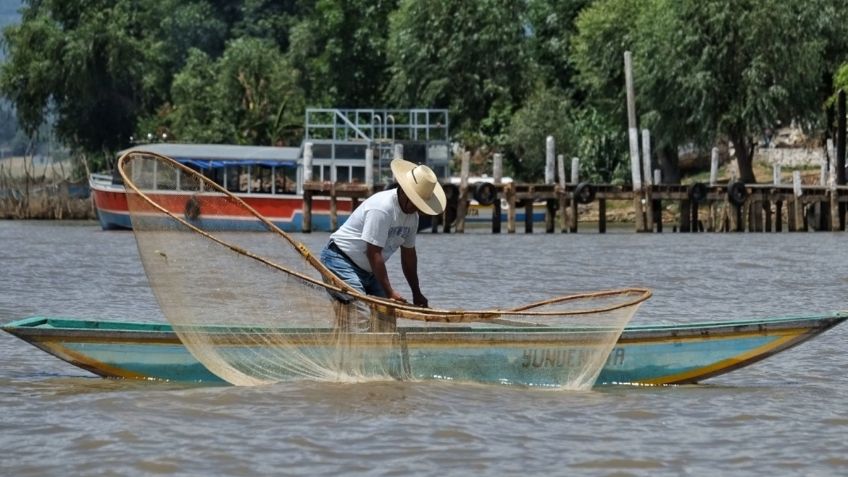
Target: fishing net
x=259, y=307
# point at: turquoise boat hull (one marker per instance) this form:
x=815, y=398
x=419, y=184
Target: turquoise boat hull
x=644, y=354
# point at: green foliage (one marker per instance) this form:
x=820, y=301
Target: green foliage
x=465, y=56
x=605, y=30
x=82, y=60
x=340, y=49
x=840, y=80
x=247, y=96
x=601, y=146
x=546, y=113
x=733, y=69
x=552, y=28
x=511, y=72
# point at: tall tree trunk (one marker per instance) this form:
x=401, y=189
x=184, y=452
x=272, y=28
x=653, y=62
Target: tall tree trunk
x=744, y=157
x=669, y=162
x=840, y=139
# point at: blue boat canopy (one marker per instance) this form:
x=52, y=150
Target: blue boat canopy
x=210, y=156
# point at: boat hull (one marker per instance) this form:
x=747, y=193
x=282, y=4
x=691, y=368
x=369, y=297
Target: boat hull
x=647, y=354
x=284, y=210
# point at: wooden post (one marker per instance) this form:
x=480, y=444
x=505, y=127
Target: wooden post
x=549, y=159
x=573, y=215
x=602, y=216
x=767, y=215
x=307, y=195
x=307, y=162
x=510, y=214
x=695, y=226
x=528, y=216
x=778, y=216
x=646, y=164
x=714, y=166
x=657, y=205
x=840, y=172
x=685, y=218
x=497, y=179
x=563, y=201
x=550, y=162
x=307, y=211
x=462, y=206
x=633, y=135
x=798, y=208
x=334, y=216
x=550, y=215
x=575, y=170
x=834, y=216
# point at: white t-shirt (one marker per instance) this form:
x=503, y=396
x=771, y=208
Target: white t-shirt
x=378, y=221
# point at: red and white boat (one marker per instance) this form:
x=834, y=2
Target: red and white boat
x=266, y=178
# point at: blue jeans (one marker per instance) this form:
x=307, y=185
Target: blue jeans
x=362, y=280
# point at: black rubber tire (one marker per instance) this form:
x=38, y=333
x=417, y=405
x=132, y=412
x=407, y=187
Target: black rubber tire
x=485, y=193
x=737, y=193
x=697, y=192
x=451, y=193
x=584, y=193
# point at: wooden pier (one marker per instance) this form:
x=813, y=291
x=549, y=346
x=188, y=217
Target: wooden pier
x=734, y=207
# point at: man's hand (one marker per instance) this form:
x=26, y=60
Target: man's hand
x=397, y=297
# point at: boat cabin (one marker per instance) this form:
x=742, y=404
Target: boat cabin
x=239, y=169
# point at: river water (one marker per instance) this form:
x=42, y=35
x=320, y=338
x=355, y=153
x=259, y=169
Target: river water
x=785, y=415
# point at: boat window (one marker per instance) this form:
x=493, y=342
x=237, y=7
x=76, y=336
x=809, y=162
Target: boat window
x=167, y=178
x=261, y=179
x=358, y=174
x=343, y=174
x=216, y=175
x=145, y=176
x=232, y=178
x=286, y=180
x=322, y=151
x=325, y=173
x=316, y=173
x=243, y=178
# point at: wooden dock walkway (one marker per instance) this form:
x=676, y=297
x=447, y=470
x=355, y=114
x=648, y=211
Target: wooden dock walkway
x=733, y=207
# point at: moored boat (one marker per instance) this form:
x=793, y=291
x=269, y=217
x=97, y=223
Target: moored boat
x=270, y=179
x=266, y=178
x=644, y=354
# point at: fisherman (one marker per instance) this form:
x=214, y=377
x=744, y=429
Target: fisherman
x=358, y=251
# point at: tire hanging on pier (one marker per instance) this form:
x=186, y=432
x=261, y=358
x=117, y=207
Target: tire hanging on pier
x=697, y=192
x=258, y=308
x=737, y=193
x=584, y=193
x=485, y=193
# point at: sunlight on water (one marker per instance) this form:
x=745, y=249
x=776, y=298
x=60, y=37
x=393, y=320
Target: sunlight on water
x=743, y=423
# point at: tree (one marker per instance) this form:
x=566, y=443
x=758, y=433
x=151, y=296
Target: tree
x=83, y=62
x=98, y=66
x=733, y=68
x=465, y=56
x=546, y=113
x=551, y=24
x=247, y=96
x=340, y=50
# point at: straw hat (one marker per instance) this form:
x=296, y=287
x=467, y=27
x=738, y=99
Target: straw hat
x=420, y=184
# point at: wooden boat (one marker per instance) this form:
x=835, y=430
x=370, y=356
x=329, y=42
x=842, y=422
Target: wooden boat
x=271, y=179
x=264, y=177
x=645, y=354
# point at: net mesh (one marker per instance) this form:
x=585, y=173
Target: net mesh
x=259, y=307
